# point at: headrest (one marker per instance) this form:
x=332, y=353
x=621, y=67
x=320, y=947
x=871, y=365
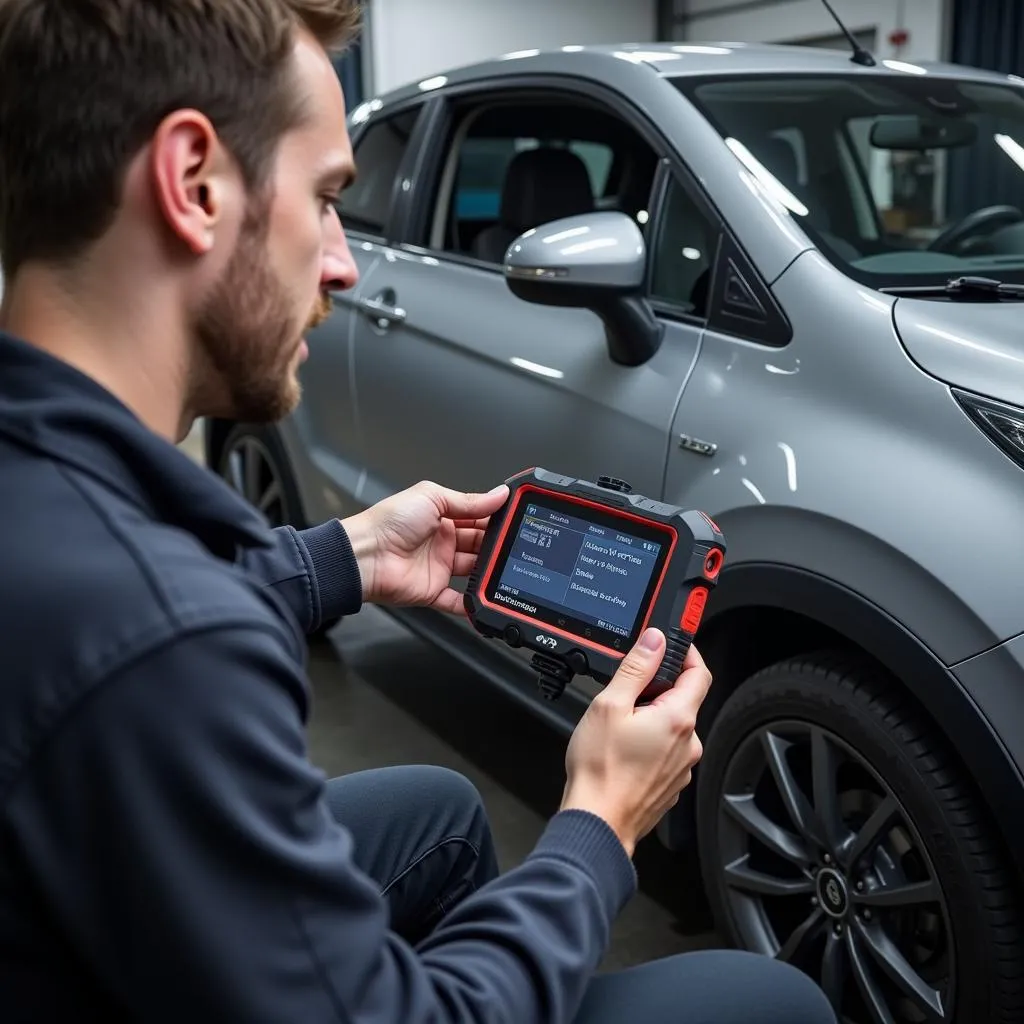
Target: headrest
x=543, y=185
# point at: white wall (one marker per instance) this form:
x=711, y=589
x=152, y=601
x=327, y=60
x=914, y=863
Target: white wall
x=410, y=40
x=772, y=21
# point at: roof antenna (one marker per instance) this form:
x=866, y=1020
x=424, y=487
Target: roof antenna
x=860, y=55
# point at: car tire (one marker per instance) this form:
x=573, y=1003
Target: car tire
x=253, y=461
x=807, y=755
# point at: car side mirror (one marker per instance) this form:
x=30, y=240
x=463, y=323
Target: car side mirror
x=594, y=261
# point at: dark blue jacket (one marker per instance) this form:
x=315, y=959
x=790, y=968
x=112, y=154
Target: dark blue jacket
x=165, y=850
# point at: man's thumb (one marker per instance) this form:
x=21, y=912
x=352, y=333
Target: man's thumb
x=462, y=505
x=640, y=665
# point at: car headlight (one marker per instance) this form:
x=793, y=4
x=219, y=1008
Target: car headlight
x=1004, y=424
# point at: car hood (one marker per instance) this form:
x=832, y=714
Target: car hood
x=977, y=346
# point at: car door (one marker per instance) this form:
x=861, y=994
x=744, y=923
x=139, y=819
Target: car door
x=464, y=383
x=328, y=415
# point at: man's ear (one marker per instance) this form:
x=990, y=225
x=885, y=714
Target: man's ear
x=189, y=178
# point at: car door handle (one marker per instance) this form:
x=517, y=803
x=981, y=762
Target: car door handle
x=381, y=312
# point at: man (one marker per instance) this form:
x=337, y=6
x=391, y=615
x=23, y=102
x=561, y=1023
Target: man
x=167, y=852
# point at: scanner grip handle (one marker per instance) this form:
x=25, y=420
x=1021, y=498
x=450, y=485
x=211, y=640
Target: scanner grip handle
x=676, y=648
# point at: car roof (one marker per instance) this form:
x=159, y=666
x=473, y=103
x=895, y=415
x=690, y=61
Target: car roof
x=683, y=59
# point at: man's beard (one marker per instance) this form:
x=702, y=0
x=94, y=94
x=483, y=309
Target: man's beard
x=249, y=334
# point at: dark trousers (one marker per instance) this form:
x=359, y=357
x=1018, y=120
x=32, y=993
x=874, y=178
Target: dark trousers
x=423, y=834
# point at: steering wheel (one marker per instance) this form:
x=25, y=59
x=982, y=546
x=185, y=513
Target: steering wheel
x=987, y=219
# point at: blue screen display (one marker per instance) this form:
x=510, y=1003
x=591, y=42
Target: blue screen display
x=594, y=573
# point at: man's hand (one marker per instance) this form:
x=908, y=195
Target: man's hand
x=628, y=764
x=411, y=545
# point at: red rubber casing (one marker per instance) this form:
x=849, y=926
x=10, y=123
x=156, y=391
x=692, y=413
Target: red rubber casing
x=692, y=551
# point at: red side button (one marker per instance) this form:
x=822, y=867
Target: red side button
x=713, y=563
x=694, y=610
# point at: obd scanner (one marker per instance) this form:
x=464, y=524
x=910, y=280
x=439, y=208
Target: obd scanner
x=576, y=571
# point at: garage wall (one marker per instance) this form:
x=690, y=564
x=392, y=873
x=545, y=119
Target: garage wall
x=409, y=40
x=927, y=23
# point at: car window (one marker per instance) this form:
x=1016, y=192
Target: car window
x=483, y=163
x=597, y=157
x=685, y=243
x=366, y=205
x=481, y=171
x=512, y=166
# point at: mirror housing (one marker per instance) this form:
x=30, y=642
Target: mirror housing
x=594, y=261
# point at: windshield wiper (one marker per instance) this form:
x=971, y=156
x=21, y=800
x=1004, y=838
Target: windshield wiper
x=966, y=289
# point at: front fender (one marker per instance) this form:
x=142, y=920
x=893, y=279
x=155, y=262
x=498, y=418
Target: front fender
x=819, y=610
x=860, y=562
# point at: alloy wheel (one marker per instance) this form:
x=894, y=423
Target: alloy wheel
x=823, y=868
x=249, y=468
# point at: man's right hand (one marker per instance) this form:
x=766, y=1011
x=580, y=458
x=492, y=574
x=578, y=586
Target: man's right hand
x=628, y=764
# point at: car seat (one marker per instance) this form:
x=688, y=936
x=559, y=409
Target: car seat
x=540, y=185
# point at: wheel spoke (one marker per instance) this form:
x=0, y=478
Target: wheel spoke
x=873, y=998
x=908, y=895
x=739, y=875
x=236, y=475
x=824, y=766
x=899, y=971
x=800, y=935
x=251, y=473
x=872, y=831
x=797, y=807
x=269, y=496
x=777, y=839
x=858, y=944
x=832, y=964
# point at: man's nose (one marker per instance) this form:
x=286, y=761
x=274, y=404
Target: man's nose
x=340, y=272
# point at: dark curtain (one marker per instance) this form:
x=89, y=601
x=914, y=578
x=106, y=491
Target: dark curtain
x=987, y=34
x=350, y=70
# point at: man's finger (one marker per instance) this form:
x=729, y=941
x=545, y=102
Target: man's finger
x=692, y=685
x=460, y=505
x=450, y=601
x=468, y=540
x=638, y=667
x=472, y=524
x=693, y=658
x=463, y=563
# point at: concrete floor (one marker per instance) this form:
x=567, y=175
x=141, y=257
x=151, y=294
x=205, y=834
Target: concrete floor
x=383, y=697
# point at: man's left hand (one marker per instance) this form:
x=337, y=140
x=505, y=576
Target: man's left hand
x=411, y=545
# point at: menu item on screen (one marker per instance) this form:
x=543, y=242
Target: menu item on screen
x=595, y=573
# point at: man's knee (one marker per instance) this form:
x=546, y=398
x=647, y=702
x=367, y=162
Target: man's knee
x=454, y=799
x=718, y=987
x=448, y=786
x=794, y=997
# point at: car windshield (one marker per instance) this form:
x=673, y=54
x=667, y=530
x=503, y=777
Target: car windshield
x=899, y=179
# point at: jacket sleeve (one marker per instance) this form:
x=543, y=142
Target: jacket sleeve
x=180, y=837
x=314, y=571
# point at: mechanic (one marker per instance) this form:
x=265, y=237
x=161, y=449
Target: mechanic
x=167, y=851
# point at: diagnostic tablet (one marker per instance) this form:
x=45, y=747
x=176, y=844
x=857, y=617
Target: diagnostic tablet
x=575, y=571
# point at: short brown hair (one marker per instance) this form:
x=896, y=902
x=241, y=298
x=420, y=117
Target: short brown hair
x=85, y=83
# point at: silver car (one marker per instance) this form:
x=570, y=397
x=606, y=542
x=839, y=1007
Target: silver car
x=762, y=282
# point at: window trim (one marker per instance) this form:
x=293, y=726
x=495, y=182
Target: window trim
x=390, y=228
x=664, y=307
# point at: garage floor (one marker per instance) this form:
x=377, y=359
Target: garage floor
x=383, y=697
